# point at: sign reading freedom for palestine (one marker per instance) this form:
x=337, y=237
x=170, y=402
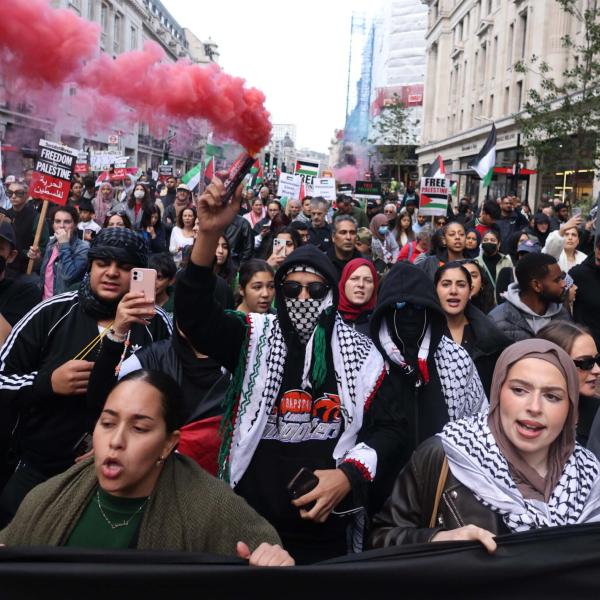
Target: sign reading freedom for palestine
x=54, y=166
x=433, y=197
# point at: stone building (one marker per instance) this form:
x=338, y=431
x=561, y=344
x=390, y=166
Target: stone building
x=472, y=46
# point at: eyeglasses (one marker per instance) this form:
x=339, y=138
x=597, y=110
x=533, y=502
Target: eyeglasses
x=17, y=193
x=587, y=363
x=316, y=289
x=116, y=213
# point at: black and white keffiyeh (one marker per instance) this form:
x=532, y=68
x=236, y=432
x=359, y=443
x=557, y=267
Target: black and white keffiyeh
x=475, y=460
x=304, y=315
x=358, y=367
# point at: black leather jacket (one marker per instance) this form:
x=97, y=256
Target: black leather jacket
x=404, y=518
x=240, y=237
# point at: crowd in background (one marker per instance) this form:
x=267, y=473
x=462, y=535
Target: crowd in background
x=440, y=316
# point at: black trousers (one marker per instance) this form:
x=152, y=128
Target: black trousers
x=22, y=481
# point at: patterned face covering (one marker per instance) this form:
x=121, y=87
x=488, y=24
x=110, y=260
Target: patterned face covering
x=304, y=315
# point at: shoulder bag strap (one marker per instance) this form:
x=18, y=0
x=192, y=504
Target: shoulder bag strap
x=438, y=491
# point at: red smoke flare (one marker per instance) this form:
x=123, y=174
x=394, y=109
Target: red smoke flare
x=41, y=47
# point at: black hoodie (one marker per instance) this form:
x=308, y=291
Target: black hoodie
x=285, y=446
x=586, y=277
x=424, y=405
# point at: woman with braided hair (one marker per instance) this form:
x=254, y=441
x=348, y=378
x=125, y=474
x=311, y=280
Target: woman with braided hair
x=302, y=392
x=515, y=469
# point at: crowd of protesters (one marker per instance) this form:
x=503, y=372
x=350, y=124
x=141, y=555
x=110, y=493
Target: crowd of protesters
x=310, y=379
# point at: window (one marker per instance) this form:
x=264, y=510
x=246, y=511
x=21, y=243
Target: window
x=491, y=107
x=480, y=108
x=523, y=34
x=76, y=5
x=509, y=46
x=118, y=34
x=483, y=63
x=464, y=81
x=133, y=38
x=506, y=100
x=494, y=58
x=472, y=115
x=91, y=10
x=519, y=96
x=475, y=65
x=103, y=24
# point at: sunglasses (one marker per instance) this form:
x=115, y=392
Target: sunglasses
x=18, y=194
x=587, y=363
x=401, y=305
x=317, y=290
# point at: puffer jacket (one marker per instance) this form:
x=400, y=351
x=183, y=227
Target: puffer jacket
x=518, y=321
x=405, y=517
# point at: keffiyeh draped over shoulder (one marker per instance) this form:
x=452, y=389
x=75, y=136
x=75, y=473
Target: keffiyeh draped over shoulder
x=483, y=458
x=476, y=461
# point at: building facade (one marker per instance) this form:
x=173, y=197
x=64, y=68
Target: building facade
x=125, y=25
x=471, y=83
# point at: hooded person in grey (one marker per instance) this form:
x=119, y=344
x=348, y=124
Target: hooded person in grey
x=534, y=300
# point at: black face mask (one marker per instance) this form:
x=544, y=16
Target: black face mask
x=392, y=223
x=406, y=326
x=489, y=248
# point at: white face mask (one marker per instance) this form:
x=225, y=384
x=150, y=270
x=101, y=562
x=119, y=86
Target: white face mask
x=139, y=194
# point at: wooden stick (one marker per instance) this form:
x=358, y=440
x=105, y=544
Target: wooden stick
x=38, y=233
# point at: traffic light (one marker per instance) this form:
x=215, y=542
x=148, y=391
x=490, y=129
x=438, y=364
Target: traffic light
x=267, y=160
x=166, y=151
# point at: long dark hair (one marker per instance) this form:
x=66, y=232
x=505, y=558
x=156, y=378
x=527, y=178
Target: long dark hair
x=484, y=300
x=228, y=270
x=248, y=270
x=146, y=220
x=146, y=200
x=171, y=396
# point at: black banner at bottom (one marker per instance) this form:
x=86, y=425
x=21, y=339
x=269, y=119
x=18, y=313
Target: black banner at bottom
x=551, y=563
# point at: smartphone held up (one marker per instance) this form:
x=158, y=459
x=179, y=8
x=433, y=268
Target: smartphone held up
x=144, y=280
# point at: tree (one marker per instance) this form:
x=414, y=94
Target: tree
x=394, y=132
x=561, y=119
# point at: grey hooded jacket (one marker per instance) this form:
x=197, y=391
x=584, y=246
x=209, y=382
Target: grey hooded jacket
x=518, y=321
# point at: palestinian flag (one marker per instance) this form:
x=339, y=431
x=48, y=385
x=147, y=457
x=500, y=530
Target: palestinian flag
x=259, y=177
x=255, y=167
x=192, y=177
x=485, y=161
x=209, y=170
x=436, y=169
x=306, y=168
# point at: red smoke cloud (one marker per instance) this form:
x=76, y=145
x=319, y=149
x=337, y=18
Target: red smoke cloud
x=43, y=49
x=347, y=174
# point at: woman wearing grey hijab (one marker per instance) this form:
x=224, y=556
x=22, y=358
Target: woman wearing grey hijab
x=515, y=469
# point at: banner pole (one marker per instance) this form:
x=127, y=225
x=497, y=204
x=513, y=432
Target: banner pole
x=38, y=233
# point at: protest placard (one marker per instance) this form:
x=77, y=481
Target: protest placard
x=433, y=196
x=308, y=171
x=324, y=187
x=289, y=186
x=165, y=171
x=81, y=164
x=367, y=191
x=102, y=160
x=51, y=179
x=345, y=188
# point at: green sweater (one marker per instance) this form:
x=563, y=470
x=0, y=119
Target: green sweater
x=188, y=511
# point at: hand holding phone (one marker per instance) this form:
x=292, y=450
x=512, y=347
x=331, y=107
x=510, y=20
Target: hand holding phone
x=278, y=247
x=303, y=482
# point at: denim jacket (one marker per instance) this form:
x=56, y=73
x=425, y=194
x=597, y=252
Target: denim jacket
x=69, y=267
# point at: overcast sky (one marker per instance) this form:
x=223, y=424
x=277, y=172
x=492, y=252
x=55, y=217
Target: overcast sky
x=296, y=53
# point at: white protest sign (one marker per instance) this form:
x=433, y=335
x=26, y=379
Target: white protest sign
x=324, y=187
x=433, y=196
x=289, y=186
x=102, y=160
